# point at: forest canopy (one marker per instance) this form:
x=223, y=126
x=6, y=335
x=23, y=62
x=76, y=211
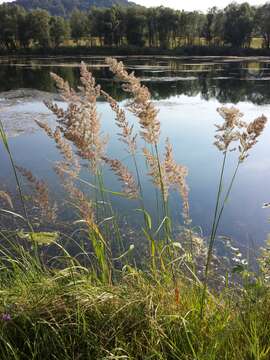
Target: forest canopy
x=237, y=26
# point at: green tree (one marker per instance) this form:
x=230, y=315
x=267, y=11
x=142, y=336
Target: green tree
x=59, y=30
x=193, y=25
x=97, y=19
x=262, y=20
x=136, y=26
x=9, y=16
x=24, y=33
x=210, y=25
x=218, y=28
x=39, y=27
x=152, y=26
x=79, y=25
x=118, y=24
x=182, y=24
x=167, y=23
x=108, y=24
x=239, y=24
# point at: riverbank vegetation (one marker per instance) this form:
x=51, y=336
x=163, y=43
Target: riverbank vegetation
x=66, y=315
x=103, y=291
x=236, y=26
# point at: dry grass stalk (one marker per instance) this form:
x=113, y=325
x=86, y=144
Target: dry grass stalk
x=130, y=188
x=173, y=176
x=235, y=130
x=249, y=137
x=80, y=123
x=126, y=135
x=154, y=172
x=70, y=167
x=176, y=177
x=264, y=260
x=228, y=132
x=59, y=112
x=41, y=198
x=140, y=105
x=67, y=93
x=68, y=174
x=45, y=127
x=6, y=198
x=68, y=170
x=82, y=203
x=64, y=147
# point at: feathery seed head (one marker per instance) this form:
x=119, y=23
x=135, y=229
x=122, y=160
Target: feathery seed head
x=6, y=198
x=41, y=198
x=140, y=105
x=80, y=123
x=130, y=187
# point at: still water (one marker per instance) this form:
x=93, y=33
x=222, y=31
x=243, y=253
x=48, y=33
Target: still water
x=187, y=91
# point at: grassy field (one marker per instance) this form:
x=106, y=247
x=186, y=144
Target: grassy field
x=256, y=42
x=93, y=47
x=175, y=299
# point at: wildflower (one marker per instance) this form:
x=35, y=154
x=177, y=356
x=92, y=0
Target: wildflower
x=6, y=317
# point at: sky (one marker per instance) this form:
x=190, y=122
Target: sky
x=188, y=5
x=194, y=4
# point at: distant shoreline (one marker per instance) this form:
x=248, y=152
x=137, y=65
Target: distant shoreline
x=126, y=51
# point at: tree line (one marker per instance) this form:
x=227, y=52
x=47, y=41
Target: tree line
x=157, y=27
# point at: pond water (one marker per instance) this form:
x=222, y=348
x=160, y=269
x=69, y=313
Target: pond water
x=187, y=91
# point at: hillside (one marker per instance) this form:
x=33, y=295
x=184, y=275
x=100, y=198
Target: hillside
x=65, y=7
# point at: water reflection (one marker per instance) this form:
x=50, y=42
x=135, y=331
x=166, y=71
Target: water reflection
x=227, y=80
x=188, y=91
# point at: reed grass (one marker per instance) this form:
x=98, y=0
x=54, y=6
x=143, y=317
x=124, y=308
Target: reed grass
x=101, y=301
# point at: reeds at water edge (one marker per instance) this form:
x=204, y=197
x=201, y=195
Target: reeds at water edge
x=82, y=144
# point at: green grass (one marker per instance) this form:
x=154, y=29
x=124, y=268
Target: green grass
x=197, y=49
x=66, y=315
